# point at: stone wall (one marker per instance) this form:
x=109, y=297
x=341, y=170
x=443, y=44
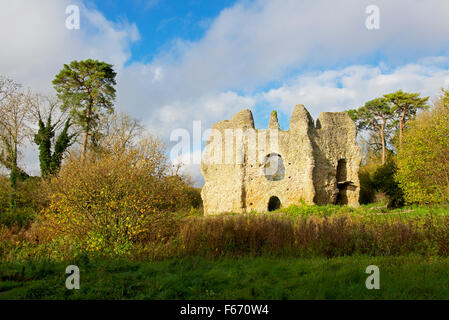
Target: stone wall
x=238, y=161
x=334, y=140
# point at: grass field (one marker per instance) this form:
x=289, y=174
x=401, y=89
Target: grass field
x=244, y=278
x=299, y=252
x=412, y=211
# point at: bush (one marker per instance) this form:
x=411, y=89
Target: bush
x=367, y=190
x=194, y=197
x=28, y=193
x=21, y=217
x=29, y=201
x=384, y=180
x=113, y=198
x=4, y=191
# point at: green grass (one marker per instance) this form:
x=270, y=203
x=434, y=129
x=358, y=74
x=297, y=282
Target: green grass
x=410, y=211
x=413, y=211
x=244, y=278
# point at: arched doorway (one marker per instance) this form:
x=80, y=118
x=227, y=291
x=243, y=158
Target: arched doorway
x=274, y=203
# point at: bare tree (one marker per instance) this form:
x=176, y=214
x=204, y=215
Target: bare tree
x=45, y=106
x=117, y=129
x=15, y=114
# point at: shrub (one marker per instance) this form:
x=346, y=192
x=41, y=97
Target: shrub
x=194, y=196
x=367, y=191
x=4, y=191
x=29, y=201
x=28, y=193
x=384, y=180
x=21, y=217
x=110, y=200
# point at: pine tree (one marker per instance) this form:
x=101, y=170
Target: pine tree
x=86, y=88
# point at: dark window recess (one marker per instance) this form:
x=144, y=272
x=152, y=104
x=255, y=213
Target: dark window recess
x=274, y=203
x=342, y=182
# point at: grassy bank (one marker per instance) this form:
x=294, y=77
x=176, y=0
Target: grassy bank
x=244, y=278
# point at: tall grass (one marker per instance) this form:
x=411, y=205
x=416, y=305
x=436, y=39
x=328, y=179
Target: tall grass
x=329, y=231
x=338, y=235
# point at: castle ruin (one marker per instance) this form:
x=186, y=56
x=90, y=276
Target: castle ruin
x=248, y=169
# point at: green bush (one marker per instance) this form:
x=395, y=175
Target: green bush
x=29, y=201
x=21, y=217
x=367, y=190
x=114, y=198
x=384, y=180
x=4, y=191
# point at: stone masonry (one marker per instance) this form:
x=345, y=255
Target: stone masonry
x=247, y=169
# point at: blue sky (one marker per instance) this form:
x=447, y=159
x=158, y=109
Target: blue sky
x=162, y=21
x=195, y=60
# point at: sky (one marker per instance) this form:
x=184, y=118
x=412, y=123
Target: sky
x=194, y=60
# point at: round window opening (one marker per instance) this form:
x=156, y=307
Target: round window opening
x=273, y=167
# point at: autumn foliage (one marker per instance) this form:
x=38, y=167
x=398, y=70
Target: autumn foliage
x=109, y=200
x=423, y=160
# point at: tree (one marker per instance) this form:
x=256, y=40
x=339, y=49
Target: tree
x=423, y=159
x=86, y=88
x=116, y=128
x=367, y=190
x=15, y=111
x=49, y=161
x=383, y=179
x=376, y=117
x=405, y=106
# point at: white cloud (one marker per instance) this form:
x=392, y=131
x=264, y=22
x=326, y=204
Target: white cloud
x=36, y=43
x=258, y=42
x=189, y=167
x=331, y=59
x=149, y=4
x=351, y=87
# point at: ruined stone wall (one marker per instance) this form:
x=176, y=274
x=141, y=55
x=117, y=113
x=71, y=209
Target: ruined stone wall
x=224, y=189
x=335, y=140
x=295, y=150
x=238, y=177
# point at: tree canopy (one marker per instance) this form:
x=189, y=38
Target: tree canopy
x=376, y=117
x=86, y=88
x=405, y=106
x=423, y=160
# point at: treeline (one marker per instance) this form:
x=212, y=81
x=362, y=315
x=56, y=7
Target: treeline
x=405, y=143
